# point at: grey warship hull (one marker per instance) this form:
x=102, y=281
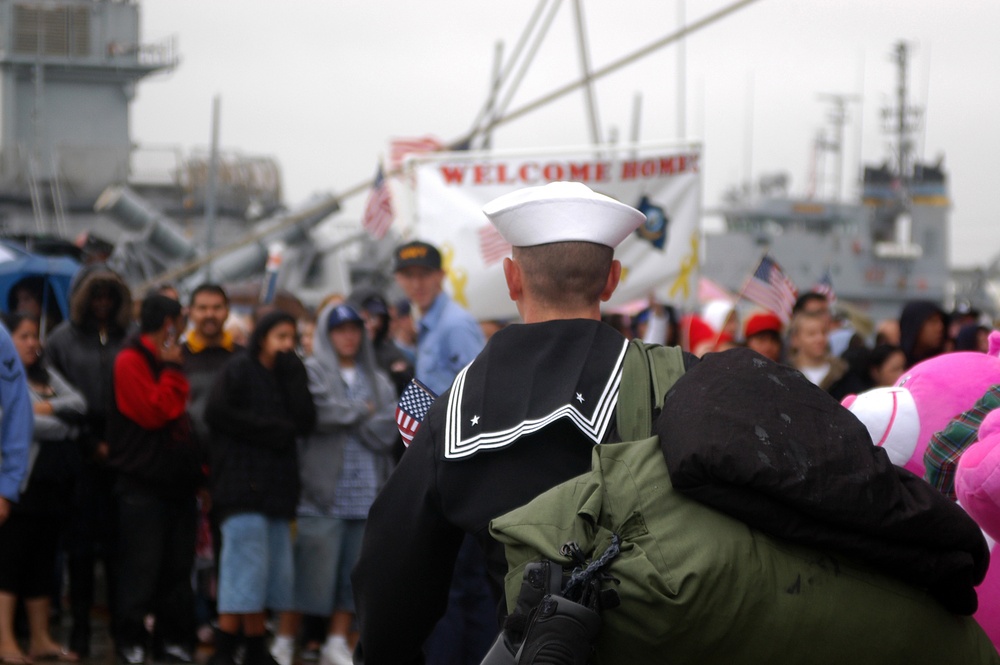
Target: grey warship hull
x=877, y=253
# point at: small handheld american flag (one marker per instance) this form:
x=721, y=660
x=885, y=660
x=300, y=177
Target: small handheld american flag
x=768, y=286
x=413, y=406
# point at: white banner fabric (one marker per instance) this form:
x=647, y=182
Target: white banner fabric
x=445, y=193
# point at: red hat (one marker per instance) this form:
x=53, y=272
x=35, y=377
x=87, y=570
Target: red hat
x=762, y=322
x=698, y=333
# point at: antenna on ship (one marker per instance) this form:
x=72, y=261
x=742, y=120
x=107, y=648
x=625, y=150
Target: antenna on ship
x=837, y=118
x=892, y=193
x=903, y=119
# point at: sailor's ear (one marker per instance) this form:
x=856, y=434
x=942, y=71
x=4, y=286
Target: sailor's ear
x=515, y=284
x=614, y=277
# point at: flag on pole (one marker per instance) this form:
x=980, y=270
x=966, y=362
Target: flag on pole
x=378, y=210
x=413, y=406
x=400, y=148
x=771, y=288
x=825, y=287
x=272, y=270
x=492, y=246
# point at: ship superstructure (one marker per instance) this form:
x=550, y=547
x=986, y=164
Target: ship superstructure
x=880, y=252
x=69, y=70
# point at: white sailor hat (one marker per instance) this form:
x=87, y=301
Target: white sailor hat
x=561, y=212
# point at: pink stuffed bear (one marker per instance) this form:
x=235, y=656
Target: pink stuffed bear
x=977, y=478
x=977, y=484
x=902, y=419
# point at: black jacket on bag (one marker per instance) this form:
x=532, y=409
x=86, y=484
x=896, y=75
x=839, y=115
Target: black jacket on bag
x=758, y=441
x=254, y=415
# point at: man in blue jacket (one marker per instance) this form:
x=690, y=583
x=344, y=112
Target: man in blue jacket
x=448, y=339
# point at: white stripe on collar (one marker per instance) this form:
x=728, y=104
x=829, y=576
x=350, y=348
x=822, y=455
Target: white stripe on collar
x=593, y=428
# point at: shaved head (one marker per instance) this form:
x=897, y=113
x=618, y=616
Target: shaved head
x=563, y=274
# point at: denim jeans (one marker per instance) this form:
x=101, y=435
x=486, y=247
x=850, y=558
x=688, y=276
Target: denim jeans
x=256, y=571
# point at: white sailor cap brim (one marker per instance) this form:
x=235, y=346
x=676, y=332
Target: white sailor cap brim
x=561, y=212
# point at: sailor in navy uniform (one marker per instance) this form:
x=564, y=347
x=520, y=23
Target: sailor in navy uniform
x=520, y=419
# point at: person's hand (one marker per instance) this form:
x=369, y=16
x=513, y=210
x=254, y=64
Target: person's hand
x=4, y=509
x=43, y=408
x=171, y=352
x=288, y=368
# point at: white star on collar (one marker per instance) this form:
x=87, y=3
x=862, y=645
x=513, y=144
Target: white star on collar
x=475, y=421
x=579, y=398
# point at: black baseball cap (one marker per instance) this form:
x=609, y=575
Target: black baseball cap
x=417, y=253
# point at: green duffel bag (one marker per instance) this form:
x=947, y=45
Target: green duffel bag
x=700, y=587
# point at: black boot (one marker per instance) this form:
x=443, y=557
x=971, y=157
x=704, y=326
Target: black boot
x=257, y=652
x=225, y=648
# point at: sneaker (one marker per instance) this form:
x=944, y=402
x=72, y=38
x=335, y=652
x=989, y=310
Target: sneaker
x=283, y=650
x=175, y=653
x=133, y=655
x=335, y=653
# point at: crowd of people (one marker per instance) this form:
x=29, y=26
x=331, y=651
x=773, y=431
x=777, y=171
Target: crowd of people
x=164, y=438
x=818, y=338
x=166, y=443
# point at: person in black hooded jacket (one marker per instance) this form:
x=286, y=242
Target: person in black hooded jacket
x=258, y=406
x=83, y=348
x=922, y=328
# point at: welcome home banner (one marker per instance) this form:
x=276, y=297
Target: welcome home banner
x=443, y=195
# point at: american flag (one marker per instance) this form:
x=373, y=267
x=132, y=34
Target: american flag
x=492, y=246
x=378, y=209
x=413, y=405
x=399, y=148
x=771, y=288
x=825, y=287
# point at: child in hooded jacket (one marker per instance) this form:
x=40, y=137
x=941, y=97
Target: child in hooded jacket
x=342, y=465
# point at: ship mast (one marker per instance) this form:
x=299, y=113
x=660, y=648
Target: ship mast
x=902, y=119
x=892, y=193
x=837, y=118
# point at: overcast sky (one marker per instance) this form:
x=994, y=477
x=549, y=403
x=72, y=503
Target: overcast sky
x=322, y=85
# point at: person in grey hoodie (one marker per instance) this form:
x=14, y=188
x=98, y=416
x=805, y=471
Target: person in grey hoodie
x=342, y=465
